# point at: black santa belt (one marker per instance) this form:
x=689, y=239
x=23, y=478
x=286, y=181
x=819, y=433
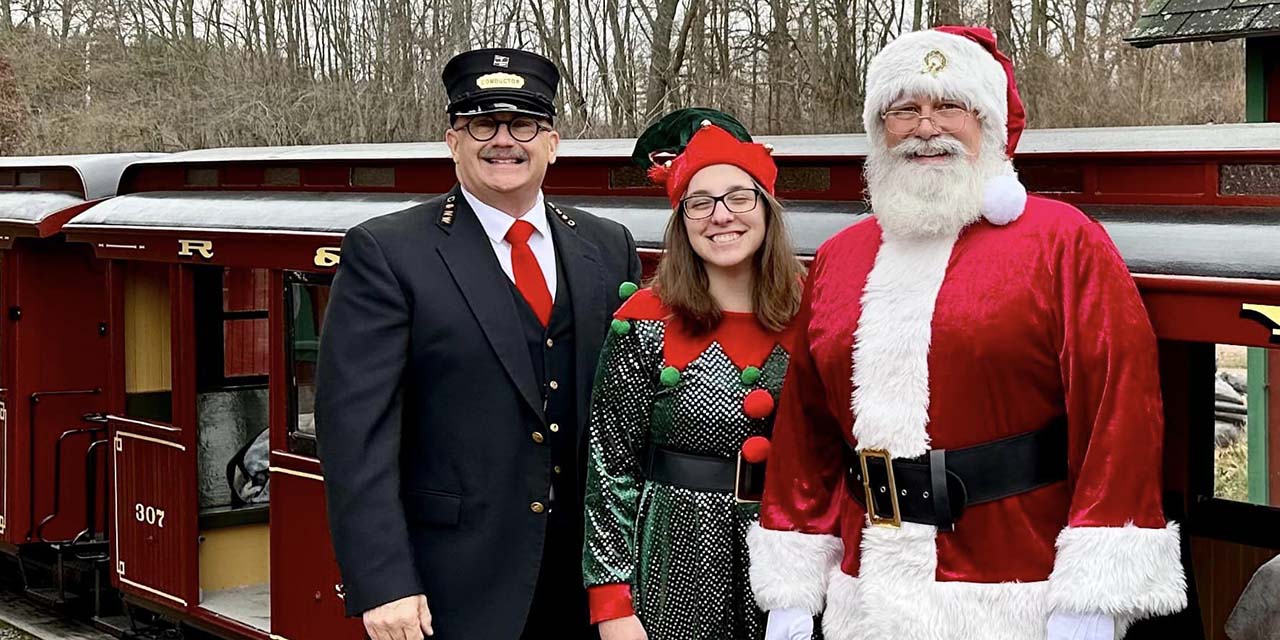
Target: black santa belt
x=937, y=487
x=705, y=473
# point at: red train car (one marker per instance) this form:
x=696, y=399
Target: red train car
x=53, y=350
x=193, y=237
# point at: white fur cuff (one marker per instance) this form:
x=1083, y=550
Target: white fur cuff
x=1128, y=572
x=789, y=569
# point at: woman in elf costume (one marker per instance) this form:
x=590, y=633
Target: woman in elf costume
x=684, y=395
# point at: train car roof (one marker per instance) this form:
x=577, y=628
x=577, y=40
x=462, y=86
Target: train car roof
x=62, y=187
x=1226, y=242
x=32, y=207
x=1206, y=138
x=290, y=212
x=99, y=173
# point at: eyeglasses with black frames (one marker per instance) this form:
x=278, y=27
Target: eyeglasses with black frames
x=737, y=201
x=521, y=128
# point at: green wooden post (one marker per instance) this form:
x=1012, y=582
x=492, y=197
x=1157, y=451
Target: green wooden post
x=1255, y=78
x=1256, y=63
x=1258, y=421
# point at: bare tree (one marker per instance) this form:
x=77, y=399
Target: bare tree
x=81, y=75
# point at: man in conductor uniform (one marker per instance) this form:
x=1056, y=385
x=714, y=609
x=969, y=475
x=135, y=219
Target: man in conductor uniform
x=458, y=352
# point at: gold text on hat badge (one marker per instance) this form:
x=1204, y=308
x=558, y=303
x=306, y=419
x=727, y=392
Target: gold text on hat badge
x=500, y=81
x=934, y=63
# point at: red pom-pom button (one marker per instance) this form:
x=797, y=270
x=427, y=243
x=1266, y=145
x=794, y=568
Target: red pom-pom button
x=758, y=404
x=756, y=449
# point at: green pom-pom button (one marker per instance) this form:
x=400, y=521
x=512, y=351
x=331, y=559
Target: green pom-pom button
x=749, y=375
x=620, y=327
x=670, y=376
x=626, y=289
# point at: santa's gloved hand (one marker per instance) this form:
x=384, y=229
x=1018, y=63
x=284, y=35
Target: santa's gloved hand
x=789, y=624
x=1081, y=626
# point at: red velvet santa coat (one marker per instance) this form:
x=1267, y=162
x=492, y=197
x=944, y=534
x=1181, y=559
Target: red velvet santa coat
x=955, y=342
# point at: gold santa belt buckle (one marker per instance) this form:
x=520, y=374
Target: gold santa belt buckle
x=877, y=520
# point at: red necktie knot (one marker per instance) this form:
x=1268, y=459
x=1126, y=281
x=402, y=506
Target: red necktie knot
x=520, y=232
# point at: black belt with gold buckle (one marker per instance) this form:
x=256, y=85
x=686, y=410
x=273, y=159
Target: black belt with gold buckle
x=936, y=488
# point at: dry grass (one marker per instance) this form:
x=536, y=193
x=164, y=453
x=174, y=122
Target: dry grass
x=1231, y=472
x=1231, y=356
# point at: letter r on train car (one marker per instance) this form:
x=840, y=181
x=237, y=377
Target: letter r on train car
x=1269, y=316
x=192, y=247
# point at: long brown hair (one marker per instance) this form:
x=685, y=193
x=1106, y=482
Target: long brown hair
x=681, y=281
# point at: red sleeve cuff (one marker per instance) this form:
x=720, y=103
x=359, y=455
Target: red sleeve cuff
x=609, y=602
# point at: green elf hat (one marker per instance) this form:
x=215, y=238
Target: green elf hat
x=669, y=136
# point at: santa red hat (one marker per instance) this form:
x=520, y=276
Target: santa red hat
x=956, y=63
x=712, y=145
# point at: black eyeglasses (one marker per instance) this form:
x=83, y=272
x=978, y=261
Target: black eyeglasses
x=736, y=201
x=484, y=128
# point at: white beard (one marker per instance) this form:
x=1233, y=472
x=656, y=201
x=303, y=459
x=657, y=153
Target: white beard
x=913, y=200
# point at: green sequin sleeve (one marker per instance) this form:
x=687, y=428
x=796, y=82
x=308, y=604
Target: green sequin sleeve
x=622, y=402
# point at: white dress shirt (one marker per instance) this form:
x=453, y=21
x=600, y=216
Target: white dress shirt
x=496, y=224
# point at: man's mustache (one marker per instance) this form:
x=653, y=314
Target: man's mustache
x=932, y=146
x=514, y=153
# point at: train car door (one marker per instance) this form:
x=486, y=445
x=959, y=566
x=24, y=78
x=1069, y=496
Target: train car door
x=154, y=532
x=59, y=316
x=1220, y=356
x=310, y=604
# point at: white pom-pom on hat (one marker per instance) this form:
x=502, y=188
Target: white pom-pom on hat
x=1003, y=199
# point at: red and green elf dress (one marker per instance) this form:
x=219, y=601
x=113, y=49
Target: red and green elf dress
x=674, y=556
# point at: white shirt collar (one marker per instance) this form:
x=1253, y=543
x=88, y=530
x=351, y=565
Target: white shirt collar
x=497, y=223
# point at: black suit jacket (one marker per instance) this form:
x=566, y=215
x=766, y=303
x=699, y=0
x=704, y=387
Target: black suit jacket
x=426, y=401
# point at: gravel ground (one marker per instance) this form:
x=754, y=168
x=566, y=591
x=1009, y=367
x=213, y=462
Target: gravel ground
x=8, y=632
x=17, y=613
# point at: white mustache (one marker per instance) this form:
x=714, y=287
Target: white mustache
x=943, y=144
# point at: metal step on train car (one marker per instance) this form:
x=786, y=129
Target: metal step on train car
x=217, y=265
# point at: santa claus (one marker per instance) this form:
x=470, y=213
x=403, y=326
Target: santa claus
x=968, y=443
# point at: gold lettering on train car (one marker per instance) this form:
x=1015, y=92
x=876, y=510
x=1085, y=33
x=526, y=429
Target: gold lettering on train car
x=1268, y=315
x=192, y=247
x=328, y=256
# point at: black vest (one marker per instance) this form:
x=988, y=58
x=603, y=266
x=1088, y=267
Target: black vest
x=552, y=351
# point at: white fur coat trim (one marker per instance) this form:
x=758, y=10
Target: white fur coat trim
x=789, y=569
x=871, y=609
x=1128, y=572
x=891, y=345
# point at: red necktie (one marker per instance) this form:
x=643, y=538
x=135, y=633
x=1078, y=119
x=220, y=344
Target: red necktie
x=528, y=274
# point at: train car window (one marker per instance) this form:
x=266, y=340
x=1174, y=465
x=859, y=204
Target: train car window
x=232, y=333
x=232, y=358
x=1233, y=442
x=1246, y=429
x=305, y=298
x=148, y=350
